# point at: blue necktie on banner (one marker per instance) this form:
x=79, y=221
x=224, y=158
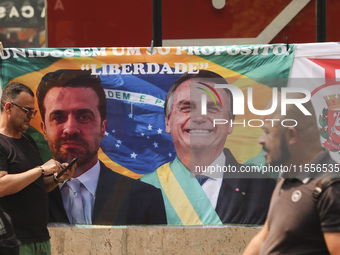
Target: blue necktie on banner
x=76, y=210
x=201, y=179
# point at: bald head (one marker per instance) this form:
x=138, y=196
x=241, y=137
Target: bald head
x=306, y=125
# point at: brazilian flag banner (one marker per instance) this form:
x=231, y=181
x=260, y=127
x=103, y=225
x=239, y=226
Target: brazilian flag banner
x=136, y=81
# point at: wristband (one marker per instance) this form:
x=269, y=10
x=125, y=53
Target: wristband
x=42, y=171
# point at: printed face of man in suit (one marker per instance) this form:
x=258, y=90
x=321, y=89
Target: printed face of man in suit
x=73, y=126
x=190, y=130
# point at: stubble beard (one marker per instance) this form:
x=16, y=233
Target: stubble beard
x=66, y=156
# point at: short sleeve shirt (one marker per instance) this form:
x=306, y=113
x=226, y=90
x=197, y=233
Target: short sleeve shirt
x=27, y=208
x=296, y=223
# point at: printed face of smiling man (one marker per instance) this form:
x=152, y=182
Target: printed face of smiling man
x=192, y=131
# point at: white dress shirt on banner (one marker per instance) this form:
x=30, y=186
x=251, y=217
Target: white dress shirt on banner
x=213, y=185
x=89, y=181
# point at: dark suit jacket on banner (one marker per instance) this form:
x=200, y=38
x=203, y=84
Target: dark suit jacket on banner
x=240, y=200
x=244, y=200
x=119, y=201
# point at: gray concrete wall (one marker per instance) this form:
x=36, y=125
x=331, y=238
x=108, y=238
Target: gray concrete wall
x=135, y=240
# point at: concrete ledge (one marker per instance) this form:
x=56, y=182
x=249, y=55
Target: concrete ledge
x=102, y=240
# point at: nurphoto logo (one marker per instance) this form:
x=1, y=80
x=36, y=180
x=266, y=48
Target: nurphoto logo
x=239, y=99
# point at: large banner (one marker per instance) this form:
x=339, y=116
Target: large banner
x=136, y=82
x=137, y=140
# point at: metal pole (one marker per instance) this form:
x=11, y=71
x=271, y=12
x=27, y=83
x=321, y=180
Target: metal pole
x=321, y=21
x=157, y=22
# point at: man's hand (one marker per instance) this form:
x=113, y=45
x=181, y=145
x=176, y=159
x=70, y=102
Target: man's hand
x=256, y=243
x=52, y=166
x=68, y=174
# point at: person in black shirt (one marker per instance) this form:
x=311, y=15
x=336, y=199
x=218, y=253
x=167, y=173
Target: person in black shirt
x=296, y=224
x=24, y=178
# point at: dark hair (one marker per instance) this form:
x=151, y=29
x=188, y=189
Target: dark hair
x=204, y=75
x=12, y=90
x=73, y=79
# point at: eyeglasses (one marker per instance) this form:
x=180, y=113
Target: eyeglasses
x=31, y=112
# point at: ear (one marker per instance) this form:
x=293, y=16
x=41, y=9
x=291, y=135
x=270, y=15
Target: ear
x=292, y=136
x=103, y=128
x=167, y=125
x=8, y=106
x=230, y=128
x=43, y=128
